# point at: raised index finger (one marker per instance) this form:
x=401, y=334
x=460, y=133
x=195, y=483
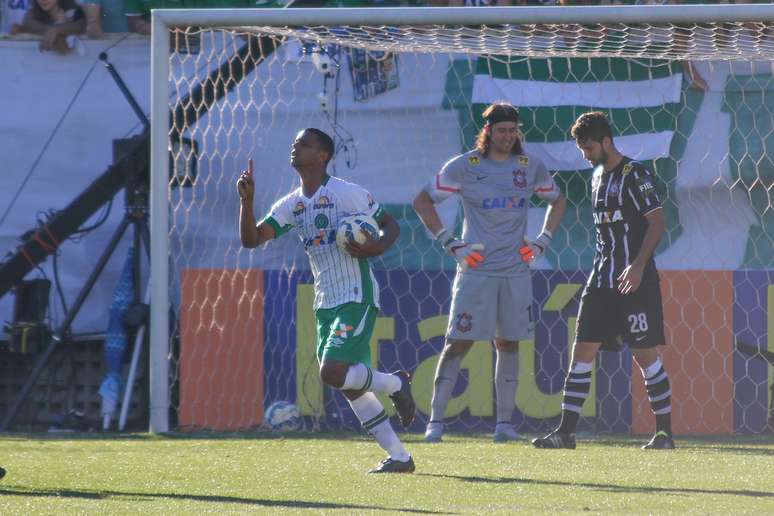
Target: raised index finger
x=250, y=166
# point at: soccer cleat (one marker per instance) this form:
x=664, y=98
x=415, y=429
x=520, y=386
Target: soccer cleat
x=402, y=399
x=660, y=441
x=434, y=432
x=504, y=433
x=390, y=465
x=555, y=440
x=2, y=472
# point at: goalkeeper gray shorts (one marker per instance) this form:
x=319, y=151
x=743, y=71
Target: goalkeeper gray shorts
x=484, y=307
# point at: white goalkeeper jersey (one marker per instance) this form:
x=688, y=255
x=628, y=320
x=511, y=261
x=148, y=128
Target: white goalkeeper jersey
x=495, y=197
x=338, y=277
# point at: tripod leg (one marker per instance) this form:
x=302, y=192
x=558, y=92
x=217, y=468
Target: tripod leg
x=138, y=340
x=61, y=333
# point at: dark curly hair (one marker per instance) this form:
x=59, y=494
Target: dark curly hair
x=593, y=125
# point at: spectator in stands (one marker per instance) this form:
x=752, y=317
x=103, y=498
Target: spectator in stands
x=93, y=11
x=138, y=11
x=55, y=21
x=12, y=13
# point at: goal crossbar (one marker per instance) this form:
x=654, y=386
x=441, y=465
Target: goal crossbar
x=463, y=15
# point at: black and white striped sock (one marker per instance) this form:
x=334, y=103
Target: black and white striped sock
x=576, y=389
x=659, y=394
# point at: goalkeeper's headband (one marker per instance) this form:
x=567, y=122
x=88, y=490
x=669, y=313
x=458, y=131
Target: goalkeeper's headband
x=502, y=114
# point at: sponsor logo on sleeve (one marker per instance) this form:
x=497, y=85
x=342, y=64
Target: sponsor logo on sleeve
x=474, y=160
x=523, y=161
x=646, y=186
x=627, y=168
x=299, y=209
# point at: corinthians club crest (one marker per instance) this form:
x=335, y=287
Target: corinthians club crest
x=519, y=179
x=464, y=322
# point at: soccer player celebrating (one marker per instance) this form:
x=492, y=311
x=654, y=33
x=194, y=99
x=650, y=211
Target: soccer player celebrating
x=346, y=297
x=622, y=297
x=492, y=291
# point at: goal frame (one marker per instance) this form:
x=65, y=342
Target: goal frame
x=163, y=20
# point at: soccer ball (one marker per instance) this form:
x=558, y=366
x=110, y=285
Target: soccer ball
x=283, y=416
x=351, y=229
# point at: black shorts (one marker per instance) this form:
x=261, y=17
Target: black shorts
x=607, y=316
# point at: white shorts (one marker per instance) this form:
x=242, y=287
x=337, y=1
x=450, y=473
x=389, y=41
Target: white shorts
x=485, y=307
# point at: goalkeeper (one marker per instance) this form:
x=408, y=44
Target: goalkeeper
x=492, y=291
x=346, y=295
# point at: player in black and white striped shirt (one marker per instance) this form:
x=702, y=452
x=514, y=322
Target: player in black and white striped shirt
x=622, y=297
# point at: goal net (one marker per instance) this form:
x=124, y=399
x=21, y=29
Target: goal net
x=688, y=91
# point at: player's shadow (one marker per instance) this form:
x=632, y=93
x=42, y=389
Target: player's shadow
x=603, y=487
x=258, y=502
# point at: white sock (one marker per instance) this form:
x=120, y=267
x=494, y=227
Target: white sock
x=385, y=382
x=359, y=377
x=371, y=414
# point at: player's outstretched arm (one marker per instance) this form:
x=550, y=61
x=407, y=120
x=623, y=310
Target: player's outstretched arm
x=250, y=234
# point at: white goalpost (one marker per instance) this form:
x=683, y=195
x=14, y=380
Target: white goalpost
x=689, y=90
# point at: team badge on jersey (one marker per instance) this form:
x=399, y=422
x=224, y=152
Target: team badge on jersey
x=321, y=221
x=299, y=209
x=464, y=322
x=323, y=203
x=613, y=190
x=519, y=179
x=523, y=161
x=474, y=160
x=627, y=168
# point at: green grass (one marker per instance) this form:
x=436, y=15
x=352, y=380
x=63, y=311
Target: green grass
x=143, y=474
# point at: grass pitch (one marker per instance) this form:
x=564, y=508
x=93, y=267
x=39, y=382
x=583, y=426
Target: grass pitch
x=143, y=474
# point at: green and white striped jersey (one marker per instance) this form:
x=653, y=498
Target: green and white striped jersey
x=338, y=277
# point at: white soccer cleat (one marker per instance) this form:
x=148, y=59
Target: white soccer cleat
x=505, y=432
x=434, y=432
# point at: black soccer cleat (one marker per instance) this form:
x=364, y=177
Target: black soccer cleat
x=660, y=441
x=403, y=401
x=390, y=465
x=2, y=472
x=555, y=440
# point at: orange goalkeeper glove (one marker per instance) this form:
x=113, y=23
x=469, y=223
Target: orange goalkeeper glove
x=532, y=250
x=466, y=255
